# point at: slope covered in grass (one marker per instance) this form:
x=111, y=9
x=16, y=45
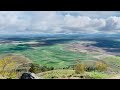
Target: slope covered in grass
x=113, y=63
x=70, y=74
x=55, y=56
x=56, y=74
x=51, y=55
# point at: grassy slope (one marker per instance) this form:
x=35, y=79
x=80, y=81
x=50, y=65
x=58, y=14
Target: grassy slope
x=57, y=57
x=54, y=55
x=71, y=73
x=56, y=74
x=113, y=62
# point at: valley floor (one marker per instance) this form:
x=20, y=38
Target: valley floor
x=61, y=54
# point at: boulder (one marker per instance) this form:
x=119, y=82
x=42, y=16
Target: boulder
x=29, y=76
x=35, y=76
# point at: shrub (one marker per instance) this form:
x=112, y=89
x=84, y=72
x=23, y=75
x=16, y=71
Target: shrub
x=45, y=68
x=100, y=66
x=89, y=68
x=67, y=67
x=51, y=68
x=79, y=68
x=35, y=68
x=7, y=68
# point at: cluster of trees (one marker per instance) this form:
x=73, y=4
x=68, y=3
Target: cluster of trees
x=81, y=68
x=36, y=68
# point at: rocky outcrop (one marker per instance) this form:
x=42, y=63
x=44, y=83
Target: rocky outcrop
x=29, y=76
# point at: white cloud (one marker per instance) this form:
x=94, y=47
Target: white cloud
x=113, y=23
x=83, y=23
x=59, y=22
x=80, y=21
x=93, y=14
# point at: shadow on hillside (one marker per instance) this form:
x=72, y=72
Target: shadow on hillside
x=15, y=48
x=20, y=47
x=56, y=41
x=23, y=47
x=107, y=45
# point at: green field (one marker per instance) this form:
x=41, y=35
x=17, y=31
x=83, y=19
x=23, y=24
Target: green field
x=60, y=57
x=54, y=55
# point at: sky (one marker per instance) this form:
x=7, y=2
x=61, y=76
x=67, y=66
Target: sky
x=35, y=22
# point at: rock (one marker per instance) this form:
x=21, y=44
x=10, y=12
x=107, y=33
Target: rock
x=35, y=76
x=29, y=76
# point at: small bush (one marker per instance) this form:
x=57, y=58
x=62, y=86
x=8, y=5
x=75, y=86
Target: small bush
x=79, y=68
x=51, y=68
x=89, y=68
x=35, y=68
x=45, y=68
x=67, y=67
x=8, y=68
x=100, y=66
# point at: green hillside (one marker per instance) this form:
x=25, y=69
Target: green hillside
x=54, y=55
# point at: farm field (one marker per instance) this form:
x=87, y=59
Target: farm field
x=55, y=55
x=63, y=54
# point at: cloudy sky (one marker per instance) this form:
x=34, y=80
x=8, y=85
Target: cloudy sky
x=18, y=22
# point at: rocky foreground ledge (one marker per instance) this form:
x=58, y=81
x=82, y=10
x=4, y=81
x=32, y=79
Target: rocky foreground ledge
x=29, y=76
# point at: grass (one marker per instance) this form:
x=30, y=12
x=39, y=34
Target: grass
x=71, y=73
x=113, y=62
x=58, y=57
x=54, y=55
x=98, y=75
x=56, y=74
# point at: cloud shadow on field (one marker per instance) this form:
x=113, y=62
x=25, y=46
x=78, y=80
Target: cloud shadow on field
x=107, y=45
